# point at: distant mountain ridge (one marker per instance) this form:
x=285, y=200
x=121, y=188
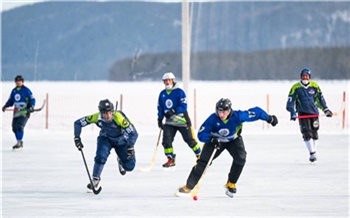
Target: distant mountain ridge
x=82, y=40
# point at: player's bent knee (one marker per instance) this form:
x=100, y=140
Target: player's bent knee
x=100, y=160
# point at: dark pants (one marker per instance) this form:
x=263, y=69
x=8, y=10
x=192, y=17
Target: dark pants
x=104, y=147
x=237, y=151
x=309, y=128
x=18, y=124
x=169, y=133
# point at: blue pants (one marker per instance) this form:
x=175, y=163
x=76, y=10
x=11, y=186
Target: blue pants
x=18, y=124
x=104, y=147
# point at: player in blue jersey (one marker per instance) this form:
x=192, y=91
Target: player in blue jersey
x=222, y=130
x=306, y=98
x=172, y=104
x=23, y=101
x=117, y=132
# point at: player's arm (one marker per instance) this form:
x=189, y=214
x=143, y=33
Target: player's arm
x=257, y=113
x=121, y=119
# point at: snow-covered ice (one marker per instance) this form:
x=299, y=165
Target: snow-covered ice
x=48, y=178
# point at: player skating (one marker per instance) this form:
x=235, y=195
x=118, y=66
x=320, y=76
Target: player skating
x=305, y=98
x=22, y=99
x=116, y=132
x=222, y=130
x=172, y=104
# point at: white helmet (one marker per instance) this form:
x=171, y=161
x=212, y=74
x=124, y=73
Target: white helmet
x=168, y=75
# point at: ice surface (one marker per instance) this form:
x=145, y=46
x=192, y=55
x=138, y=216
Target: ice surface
x=48, y=178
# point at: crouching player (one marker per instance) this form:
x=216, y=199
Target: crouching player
x=116, y=132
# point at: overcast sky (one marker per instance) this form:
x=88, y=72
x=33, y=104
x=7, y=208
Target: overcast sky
x=8, y=5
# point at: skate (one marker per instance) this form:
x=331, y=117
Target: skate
x=170, y=162
x=230, y=189
x=121, y=169
x=313, y=158
x=18, y=146
x=95, y=182
x=183, y=191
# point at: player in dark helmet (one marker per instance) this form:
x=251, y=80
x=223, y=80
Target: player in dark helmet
x=23, y=101
x=105, y=106
x=222, y=131
x=117, y=132
x=306, y=98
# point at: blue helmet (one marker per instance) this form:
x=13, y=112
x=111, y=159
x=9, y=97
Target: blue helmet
x=305, y=70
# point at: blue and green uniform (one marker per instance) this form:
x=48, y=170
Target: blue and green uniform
x=228, y=132
x=119, y=134
x=305, y=99
x=21, y=98
x=175, y=100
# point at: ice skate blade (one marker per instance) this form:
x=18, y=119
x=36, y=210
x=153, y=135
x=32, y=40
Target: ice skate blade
x=17, y=149
x=182, y=195
x=169, y=169
x=229, y=194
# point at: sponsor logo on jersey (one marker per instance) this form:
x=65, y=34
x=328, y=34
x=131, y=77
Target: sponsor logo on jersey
x=169, y=103
x=312, y=91
x=17, y=97
x=224, y=132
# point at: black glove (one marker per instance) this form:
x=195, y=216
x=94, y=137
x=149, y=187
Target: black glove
x=3, y=108
x=31, y=109
x=215, y=142
x=130, y=152
x=170, y=113
x=160, y=123
x=328, y=112
x=273, y=120
x=78, y=143
x=293, y=116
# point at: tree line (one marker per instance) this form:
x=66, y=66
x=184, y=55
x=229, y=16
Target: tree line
x=279, y=64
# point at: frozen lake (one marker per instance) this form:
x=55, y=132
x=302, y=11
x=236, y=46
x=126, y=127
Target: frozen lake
x=48, y=178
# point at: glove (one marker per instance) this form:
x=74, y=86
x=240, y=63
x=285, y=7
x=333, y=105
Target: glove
x=3, y=108
x=328, y=112
x=130, y=152
x=215, y=142
x=170, y=113
x=31, y=109
x=160, y=123
x=78, y=143
x=293, y=116
x=273, y=120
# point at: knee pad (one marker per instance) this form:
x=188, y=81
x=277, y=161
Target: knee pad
x=307, y=135
x=129, y=165
x=241, y=159
x=314, y=135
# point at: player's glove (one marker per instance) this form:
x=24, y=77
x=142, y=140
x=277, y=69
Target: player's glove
x=273, y=120
x=214, y=141
x=130, y=152
x=31, y=109
x=160, y=123
x=293, y=116
x=78, y=143
x=328, y=112
x=170, y=113
x=3, y=108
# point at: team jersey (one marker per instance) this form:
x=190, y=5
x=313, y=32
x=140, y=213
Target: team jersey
x=230, y=129
x=22, y=99
x=173, y=99
x=306, y=99
x=117, y=130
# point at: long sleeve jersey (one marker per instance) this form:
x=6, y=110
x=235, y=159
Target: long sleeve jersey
x=118, y=130
x=230, y=129
x=174, y=99
x=306, y=99
x=21, y=98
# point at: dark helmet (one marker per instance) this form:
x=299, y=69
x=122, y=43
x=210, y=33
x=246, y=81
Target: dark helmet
x=105, y=106
x=223, y=104
x=19, y=78
x=305, y=70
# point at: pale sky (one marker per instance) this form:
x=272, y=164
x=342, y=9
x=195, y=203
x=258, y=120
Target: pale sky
x=7, y=5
